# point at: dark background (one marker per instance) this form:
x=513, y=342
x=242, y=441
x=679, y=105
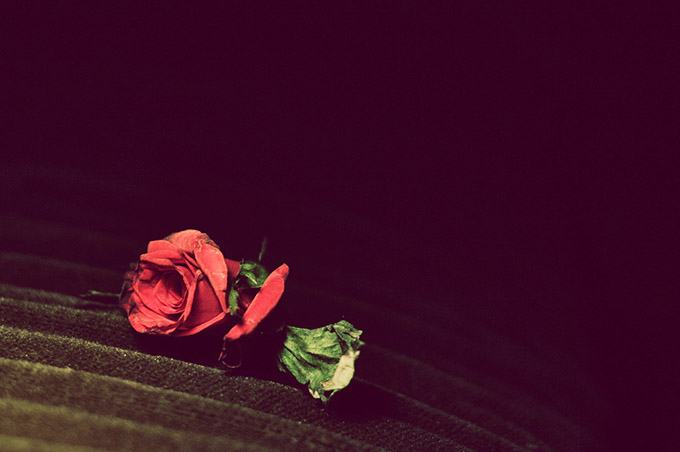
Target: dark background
x=509, y=162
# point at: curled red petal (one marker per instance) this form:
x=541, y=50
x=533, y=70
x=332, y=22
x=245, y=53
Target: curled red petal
x=202, y=306
x=162, y=258
x=212, y=262
x=162, y=245
x=146, y=320
x=265, y=300
x=188, y=331
x=186, y=240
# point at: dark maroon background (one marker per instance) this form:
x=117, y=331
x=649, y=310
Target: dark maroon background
x=513, y=159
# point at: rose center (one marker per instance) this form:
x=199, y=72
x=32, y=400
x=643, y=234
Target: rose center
x=171, y=289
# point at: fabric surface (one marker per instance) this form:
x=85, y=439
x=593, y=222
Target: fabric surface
x=75, y=375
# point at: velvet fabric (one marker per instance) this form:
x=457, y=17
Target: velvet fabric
x=76, y=376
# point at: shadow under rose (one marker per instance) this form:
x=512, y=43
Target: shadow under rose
x=254, y=355
x=202, y=348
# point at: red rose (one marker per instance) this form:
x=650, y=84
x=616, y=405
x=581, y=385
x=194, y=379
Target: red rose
x=179, y=288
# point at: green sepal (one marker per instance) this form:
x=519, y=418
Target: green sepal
x=263, y=248
x=322, y=358
x=254, y=273
x=247, y=265
x=233, y=301
x=250, y=277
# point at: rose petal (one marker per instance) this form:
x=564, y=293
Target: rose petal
x=188, y=273
x=265, y=300
x=189, y=260
x=148, y=273
x=233, y=267
x=186, y=240
x=197, y=329
x=203, y=307
x=212, y=262
x=144, y=319
x=163, y=258
x=171, y=294
x=162, y=245
x=191, y=296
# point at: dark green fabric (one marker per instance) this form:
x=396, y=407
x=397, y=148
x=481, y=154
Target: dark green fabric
x=74, y=374
x=124, y=404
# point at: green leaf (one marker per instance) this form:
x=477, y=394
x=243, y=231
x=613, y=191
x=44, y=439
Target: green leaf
x=322, y=358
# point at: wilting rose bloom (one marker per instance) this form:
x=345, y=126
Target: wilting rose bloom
x=179, y=287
